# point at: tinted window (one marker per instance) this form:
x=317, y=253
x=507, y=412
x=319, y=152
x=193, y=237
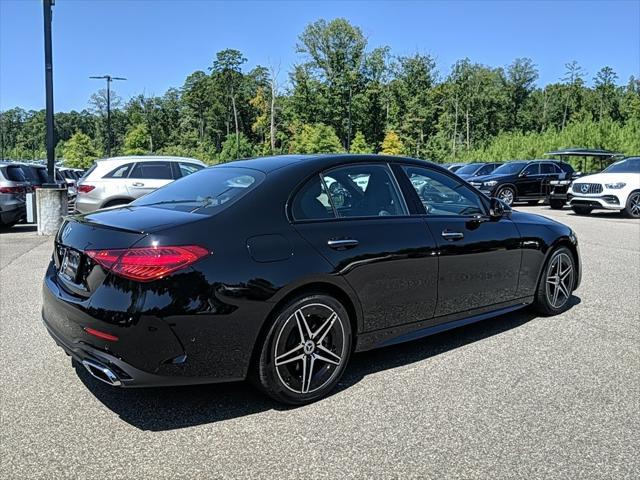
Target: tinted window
x=533, y=169
x=443, y=195
x=207, y=191
x=547, y=168
x=487, y=169
x=152, y=170
x=363, y=191
x=468, y=169
x=630, y=165
x=188, y=168
x=509, y=168
x=564, y=166
x=14, y=173
x=312, y=201
x=119, y=172
x=43, y=177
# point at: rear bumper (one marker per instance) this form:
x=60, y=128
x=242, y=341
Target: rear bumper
x=607, y=202
x=86, y=204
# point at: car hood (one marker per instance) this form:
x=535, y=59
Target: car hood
x=628, y=178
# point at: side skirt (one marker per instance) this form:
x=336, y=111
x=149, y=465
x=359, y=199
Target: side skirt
x=414, y=331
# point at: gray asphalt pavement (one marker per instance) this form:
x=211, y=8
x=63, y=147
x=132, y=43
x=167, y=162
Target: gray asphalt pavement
x=518, y=396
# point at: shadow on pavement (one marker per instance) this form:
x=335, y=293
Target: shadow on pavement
x=20, y=228
x=169, y=408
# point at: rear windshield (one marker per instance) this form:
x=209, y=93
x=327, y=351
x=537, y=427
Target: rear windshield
x=14, y=173
x=31, y=174
x=208, y=191
x=629, y=165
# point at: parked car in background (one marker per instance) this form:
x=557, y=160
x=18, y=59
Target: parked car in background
x=256, y=269
x=476, y=169
x=616, y=188
x=36, y=174
x=453, y=167
x=120, y=180
x=13, y=190
x=521, y=180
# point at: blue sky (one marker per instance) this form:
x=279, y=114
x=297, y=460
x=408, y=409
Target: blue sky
x=157, y=43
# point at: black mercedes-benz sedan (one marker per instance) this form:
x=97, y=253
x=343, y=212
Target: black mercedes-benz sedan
x=278, y=269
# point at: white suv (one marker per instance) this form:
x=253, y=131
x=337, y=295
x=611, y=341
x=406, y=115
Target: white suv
x=120, y=180
x=615, y=188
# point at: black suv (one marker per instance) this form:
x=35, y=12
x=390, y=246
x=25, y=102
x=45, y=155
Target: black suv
x=522, y=180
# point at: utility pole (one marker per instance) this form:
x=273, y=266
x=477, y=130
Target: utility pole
x=48, y=76
x=109, y=79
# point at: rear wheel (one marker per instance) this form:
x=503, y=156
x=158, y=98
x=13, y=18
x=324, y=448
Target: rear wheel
x=632, y=209
x=581, y=209
x=556, y=283
x=556, y=204
x=305, y=351
x=507, y=195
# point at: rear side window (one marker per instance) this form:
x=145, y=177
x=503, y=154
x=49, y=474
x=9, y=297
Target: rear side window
x=565, y=167
x=188, y=168
x=207, y=192
x=152, y=170
x=119, y=172
x=547, y=168
x=312, y=201
x=14, y=173
x=533, y=169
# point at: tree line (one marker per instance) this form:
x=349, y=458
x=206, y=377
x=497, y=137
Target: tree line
x=346, y=97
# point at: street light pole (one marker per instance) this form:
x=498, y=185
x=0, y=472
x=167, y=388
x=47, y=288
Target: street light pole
x=48, y=76
x=109, y=79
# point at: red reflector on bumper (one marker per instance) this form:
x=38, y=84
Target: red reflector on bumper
x=99, y=334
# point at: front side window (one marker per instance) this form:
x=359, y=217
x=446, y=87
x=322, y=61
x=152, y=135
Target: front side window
x=629, y=165
x=487, y=169
x=152, y=170
x=468, y=169
x=363, y=191
x=443, y=195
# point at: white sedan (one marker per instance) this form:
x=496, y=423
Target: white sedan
x=615, y=188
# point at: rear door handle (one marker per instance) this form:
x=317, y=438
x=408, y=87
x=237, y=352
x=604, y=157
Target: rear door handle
x=138, y=184
x=342, y=244
x=450, y=235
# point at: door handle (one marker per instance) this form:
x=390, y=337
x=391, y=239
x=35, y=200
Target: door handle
x=450, y=235
x=342, y=244
x=138, y=184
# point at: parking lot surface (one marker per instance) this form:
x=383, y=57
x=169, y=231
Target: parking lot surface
x=518, y=396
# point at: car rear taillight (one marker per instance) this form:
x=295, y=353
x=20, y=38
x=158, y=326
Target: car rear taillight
x=145, y=264
x=12, y=190
x=85, y=188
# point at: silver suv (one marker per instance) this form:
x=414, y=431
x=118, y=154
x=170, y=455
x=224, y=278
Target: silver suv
x=13, y=190
x=120, y=180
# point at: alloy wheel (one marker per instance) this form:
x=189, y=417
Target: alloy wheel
x=310, y=348
x=559, y=280
x=506, y=195
x=634, y=204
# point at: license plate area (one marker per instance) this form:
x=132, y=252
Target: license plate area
x=70, y=265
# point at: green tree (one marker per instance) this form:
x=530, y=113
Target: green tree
x=392, y=145
x=359, y=144
x=315, y=138
x=137, y=140
x=79, y=151
x=235, y=147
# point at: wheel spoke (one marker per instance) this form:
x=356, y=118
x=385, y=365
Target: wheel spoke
x=565, y=273
x=328, y=356
x=289, y=360
x=307, y=372
x=554, y=301
x=282, y=359
x=301, y=321
x=564, y=289
x=325, y=328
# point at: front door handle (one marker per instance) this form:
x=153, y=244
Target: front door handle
x=138, y=184
x=451, y=235
x=342, y=244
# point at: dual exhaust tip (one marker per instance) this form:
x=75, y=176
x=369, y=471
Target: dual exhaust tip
x=101, y=372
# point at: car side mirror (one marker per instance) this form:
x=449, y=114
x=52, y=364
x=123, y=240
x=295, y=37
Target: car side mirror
x=524, y=174
x=498, y=209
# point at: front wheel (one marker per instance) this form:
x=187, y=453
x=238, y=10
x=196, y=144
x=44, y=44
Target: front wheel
x=556, y=283
x=581, y=209
x=632, y=209
x=556, y=204
x=305, y=351
x=507, y=195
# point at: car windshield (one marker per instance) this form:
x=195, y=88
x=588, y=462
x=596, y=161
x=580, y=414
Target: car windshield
x=207, y=191
x=509, y=168
x=629, y=165
x=469, y=169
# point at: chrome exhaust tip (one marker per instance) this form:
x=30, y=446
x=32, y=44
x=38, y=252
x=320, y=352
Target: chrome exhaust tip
x=102, y=373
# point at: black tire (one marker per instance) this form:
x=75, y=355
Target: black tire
x=552, y=280
x=286, y=382
x=632, y=208
x=507, y=195
x=581, y=209
x=556, y=204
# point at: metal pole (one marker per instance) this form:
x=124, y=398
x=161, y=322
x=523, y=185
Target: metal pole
x=48, y=73
x=108, y=116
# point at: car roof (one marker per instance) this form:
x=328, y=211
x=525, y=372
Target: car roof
x=149, y=158
x=584, y=152
x=318, y=162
